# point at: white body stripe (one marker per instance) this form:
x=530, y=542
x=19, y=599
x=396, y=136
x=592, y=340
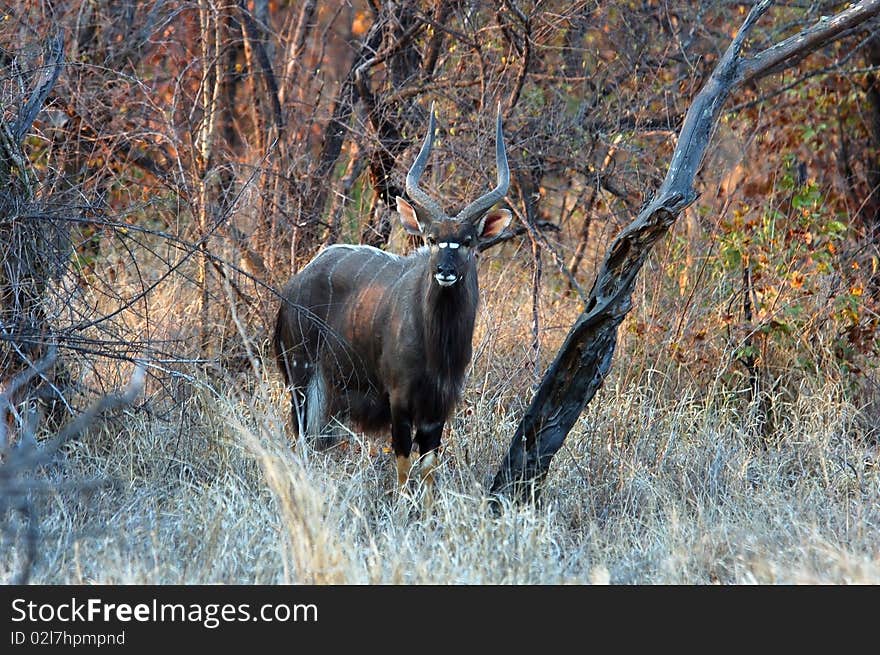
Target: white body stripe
x=350, y=246
x=353, y=248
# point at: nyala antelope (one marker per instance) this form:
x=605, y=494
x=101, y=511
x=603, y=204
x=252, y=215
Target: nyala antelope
x=380, y=339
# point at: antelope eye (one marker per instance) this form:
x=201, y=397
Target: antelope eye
x=431, y=241
x=467, y=241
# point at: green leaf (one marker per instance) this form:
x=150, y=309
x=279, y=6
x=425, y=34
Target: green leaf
x=731, y=256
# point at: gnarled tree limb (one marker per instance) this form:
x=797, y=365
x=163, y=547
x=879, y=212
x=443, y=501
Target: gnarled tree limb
x=584, y=360
x=49, y=73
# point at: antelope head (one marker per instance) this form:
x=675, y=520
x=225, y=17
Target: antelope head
x=453, y=240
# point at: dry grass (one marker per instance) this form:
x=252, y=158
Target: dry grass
x=661, y=481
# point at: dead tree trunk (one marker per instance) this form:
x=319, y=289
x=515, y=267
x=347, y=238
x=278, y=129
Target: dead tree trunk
x=869, y=208
x=584, y=360
x=334, y=137
x=402, y=61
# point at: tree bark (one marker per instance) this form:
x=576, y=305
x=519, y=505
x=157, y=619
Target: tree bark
x=584, y=360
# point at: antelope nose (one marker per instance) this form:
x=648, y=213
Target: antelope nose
x=445, y=275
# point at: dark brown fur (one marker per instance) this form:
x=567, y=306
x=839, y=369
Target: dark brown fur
x=386, y=338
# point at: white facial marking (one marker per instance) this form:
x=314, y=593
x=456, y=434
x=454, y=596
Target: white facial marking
x=455, y=246
x=443, y=244
x=446, y=281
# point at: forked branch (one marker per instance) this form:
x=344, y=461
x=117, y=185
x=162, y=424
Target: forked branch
x=584, y=360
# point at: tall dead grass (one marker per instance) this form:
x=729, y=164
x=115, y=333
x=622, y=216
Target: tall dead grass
x=663, y=479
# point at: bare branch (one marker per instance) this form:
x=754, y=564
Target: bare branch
x=48, y=76
x=7, y=397
x=793, y=49
x=297, y=48
x=252, y=33
x=18, y=463
x=584, y=360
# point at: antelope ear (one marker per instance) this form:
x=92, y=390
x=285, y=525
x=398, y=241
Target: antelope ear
x=408, y=217
x=493, y=222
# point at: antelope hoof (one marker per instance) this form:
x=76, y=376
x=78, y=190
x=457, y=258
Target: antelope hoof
x=404, y=463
